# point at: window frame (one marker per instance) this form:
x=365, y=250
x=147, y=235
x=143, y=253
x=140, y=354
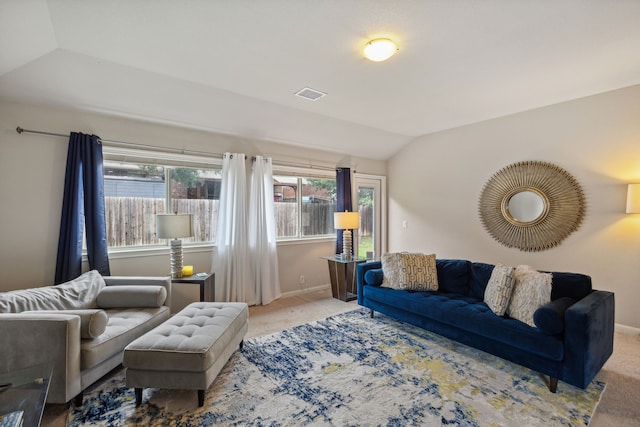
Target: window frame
x=300, y=173
x=172, y=159
x=168, y=160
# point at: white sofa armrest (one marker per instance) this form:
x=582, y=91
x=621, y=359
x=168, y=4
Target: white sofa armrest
x=29, y=339
x=141, y=280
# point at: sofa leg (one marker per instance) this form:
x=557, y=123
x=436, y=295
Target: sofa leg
x=241, y=344
x=138, y=391
x=371, y=314
x=201, y=398
x=77, y=401
x=553, y=384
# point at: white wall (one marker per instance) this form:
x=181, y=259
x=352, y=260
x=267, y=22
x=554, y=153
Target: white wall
x=32, y=169
x=435, y=182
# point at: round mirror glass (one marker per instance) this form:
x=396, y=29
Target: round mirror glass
x=526, y=206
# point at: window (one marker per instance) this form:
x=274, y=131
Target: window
x=136, y=190
x=304, y=206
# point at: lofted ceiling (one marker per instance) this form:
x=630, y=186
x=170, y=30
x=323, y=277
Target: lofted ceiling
x=234, y=66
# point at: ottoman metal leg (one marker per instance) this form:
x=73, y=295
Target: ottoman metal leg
x=138, y=396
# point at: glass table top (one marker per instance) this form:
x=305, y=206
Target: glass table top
x=338, y=258
x=26, y=390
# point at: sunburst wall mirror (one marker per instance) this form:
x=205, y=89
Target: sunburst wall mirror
x=531, y=205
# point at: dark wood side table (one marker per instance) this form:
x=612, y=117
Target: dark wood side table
x=343, y=277
x=207, y=285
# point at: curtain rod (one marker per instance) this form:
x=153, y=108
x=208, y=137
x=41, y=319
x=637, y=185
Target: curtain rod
x=128, y=144
x=299, y=165
x=20, y=130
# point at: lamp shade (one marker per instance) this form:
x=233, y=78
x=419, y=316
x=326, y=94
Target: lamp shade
x=169, y=226
x=346, y=220
x=633, y=198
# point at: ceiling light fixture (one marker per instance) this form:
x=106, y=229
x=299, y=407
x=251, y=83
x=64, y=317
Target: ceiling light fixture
x=380, y=49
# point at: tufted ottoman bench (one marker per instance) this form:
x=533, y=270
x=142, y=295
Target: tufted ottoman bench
x=188, y=350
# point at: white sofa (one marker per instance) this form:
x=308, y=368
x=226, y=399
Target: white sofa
x=81, y=327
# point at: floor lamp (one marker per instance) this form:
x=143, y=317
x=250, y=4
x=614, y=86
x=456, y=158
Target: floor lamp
x=633, y=198
x=346, y=221
x=174, y=226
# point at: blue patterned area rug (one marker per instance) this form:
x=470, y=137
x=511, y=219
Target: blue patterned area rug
x=350, y=370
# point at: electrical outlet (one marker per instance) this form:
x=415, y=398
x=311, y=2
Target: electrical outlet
x=301, y=279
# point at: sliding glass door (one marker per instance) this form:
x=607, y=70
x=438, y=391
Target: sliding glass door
x=371, y=197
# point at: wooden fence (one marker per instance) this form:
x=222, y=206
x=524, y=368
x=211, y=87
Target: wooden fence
x=131, y=221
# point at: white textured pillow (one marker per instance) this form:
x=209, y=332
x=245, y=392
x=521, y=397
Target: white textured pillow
x=532, y=290
x=390, y=273
x=499, y=289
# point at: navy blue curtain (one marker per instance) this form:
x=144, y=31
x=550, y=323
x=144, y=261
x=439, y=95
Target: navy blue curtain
x=82, y=209
x=343, y=196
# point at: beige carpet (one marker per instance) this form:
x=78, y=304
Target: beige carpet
x=619, y=406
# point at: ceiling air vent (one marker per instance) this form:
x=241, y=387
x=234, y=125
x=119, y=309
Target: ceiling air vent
x=310, y=94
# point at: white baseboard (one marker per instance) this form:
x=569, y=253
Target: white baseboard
x=627, y=329
x=306, y=291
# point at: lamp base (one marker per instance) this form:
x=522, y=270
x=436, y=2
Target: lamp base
x=176, y=259
x=346, y=244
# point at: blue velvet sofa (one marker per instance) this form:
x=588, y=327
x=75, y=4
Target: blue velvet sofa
x=572, y=340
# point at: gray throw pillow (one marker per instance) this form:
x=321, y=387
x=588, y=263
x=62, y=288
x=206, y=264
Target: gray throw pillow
x=131, y=296
x=93, y=322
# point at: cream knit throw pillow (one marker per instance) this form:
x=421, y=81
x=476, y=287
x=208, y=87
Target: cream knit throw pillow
x=532, y=290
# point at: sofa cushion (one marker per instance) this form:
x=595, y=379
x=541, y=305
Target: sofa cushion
x=79, y=293
x=374, y=277
x=470, y=315
x=124, y=326
x=453, y=276
x=499, y=289
x=479, y=276
x=131, y=296
x=572, y=285
x=532, y=290
x=550, y=317
x=93, y=322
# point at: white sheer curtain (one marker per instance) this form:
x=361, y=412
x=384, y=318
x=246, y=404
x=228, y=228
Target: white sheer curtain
x=230, y=260
x=262, y=233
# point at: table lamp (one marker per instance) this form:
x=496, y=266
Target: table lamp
x=346, y=221
x=174, y=226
